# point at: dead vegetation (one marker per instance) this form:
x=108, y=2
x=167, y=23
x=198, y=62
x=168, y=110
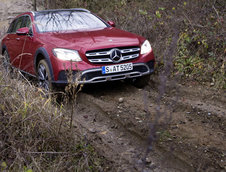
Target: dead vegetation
x=35, y=132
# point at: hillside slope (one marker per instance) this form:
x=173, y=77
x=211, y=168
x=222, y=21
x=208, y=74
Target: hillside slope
x=177, y=123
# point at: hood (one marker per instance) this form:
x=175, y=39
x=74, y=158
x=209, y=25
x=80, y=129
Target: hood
x=90, y=40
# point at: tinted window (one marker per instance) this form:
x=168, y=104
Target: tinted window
x=26, y=22
x=18, y=24
x=67, y=21
x=11, y=27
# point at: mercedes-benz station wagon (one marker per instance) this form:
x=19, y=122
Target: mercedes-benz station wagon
x=46, y=44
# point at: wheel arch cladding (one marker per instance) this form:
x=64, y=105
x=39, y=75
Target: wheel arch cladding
x=40, y=54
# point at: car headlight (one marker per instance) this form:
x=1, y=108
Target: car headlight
x=65, y=54
x=145, y=47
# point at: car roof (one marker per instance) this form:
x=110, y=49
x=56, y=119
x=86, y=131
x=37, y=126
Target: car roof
x=56, y=10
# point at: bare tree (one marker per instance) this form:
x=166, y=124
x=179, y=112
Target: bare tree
x=35, y=5
x=50, y=4
x=47, y=4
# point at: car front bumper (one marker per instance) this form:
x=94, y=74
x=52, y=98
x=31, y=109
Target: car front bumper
x=95, y=75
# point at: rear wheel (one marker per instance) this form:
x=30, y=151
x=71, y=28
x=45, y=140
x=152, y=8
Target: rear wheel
x=44, y=76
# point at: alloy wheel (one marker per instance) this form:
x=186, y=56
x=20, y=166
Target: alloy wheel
x=43, y=77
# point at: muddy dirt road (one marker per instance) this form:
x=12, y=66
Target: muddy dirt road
x=189, y=123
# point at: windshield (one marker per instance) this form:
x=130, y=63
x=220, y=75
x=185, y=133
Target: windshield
x=55, y=21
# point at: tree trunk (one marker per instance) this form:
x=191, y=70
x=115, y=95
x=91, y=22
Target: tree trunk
x=35, y=5
x=51, y=4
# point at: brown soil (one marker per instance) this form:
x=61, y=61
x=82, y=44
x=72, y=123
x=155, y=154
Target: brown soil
x=190, y=126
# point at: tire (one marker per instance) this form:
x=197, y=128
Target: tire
x=141, y=82
x=44, y=76
x=6, y=62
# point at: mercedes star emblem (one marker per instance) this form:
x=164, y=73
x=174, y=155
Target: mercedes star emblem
x=115, y=55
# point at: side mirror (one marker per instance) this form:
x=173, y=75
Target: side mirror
x=22, y=31
x=111, y=23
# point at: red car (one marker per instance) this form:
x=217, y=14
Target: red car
x=45, y=44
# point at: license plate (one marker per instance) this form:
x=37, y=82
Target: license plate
x=117, y=68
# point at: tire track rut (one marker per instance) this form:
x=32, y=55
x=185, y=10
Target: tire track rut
x=120, y=129
x=191, y=126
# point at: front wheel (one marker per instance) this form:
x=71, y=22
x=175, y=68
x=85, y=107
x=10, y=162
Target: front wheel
x=44, y=76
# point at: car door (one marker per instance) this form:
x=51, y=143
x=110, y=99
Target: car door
x=14, y=45
x=10, y=41
x=9, y=38
x=27, y=53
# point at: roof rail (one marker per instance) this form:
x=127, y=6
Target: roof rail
x=80, y=9
x=70, y=9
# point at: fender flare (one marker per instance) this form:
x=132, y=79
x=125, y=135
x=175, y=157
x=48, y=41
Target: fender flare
x=44, y=53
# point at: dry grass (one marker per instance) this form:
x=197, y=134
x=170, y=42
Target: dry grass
x=35, y=132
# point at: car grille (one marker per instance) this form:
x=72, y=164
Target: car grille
x=104, y=55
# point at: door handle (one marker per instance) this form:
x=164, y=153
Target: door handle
x=17, y=39
x=7, y=39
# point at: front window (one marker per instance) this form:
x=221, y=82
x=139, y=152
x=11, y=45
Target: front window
x=27, y=22
x=57, y=21
x=23, y=21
